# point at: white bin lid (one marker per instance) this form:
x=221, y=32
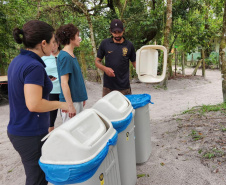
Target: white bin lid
x=115, y=106
x=77, y=140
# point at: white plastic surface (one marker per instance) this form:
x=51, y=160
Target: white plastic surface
x=143, y=134
x=78, y=140
x=115, y=106
x=109, y=168
x=127, y=154
x=147, y=63
x=150, y=66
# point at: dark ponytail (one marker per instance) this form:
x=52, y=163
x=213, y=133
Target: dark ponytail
x=33, y=33
x=16, y=35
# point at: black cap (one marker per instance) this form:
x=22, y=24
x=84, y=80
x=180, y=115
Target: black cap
x=116, y=25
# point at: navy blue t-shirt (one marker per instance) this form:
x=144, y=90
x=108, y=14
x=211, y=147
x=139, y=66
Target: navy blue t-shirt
x=27, y=68
x=117, y=57
x=66, y=64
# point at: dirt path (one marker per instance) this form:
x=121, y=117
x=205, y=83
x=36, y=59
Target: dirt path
x=181, y=95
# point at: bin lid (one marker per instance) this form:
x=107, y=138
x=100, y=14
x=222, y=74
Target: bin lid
x=115, y=106
x=78, y=139
x=139, y=100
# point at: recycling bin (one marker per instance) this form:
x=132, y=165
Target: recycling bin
x=147, y=61
x=82, y=151
x=140, y=103
x=118, y=109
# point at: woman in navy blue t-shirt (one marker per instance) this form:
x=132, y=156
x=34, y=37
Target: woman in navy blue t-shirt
x=28, y=91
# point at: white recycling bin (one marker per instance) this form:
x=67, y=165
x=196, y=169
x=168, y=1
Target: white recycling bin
x=82, y=151
x=140, y=103
x=147, y=63
x=118, y=109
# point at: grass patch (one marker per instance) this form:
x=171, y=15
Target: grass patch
x=207, y=108
x=196, y=135
x=209, y=155
x=142, y=175
x=213, y=153
x=190, y=111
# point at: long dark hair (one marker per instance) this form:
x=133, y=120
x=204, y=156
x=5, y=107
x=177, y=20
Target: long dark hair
x=66, y=33
x=33, y=33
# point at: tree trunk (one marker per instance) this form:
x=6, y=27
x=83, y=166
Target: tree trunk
x=88, y=17
x=170, y=56
x=175, y=61
x=39, y=12
x=183, y=66
x=83, y=64
x=123, y=9
x=196, y=68
x=170, y=72
x=203, y=63
x=166, y=35
x=219, y=59
x=222, y=53
x=101, y=73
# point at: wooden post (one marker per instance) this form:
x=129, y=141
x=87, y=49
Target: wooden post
x=83, y=62
x=183, y=66
x=175, y=61
x=203, y=63
x=196, y=68
x=219, y=60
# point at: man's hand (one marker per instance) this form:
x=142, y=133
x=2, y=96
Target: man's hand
x=109, y=72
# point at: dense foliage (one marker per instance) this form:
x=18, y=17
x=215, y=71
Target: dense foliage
x=196, y=23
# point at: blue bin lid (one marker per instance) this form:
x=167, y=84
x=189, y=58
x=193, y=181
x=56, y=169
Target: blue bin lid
x=139, y=100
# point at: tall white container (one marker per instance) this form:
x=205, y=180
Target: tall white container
x=82, y=151
x=140, y=103
x=118, y=109
x=147, y=63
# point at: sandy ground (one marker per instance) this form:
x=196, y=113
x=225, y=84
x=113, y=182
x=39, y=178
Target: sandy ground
x=168, y=164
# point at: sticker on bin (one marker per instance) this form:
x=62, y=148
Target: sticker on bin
x=74, y=151
x=139, y=100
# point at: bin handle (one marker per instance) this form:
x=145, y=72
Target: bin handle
x=151, y=102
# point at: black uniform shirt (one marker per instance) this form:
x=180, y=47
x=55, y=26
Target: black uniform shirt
x=117, y=57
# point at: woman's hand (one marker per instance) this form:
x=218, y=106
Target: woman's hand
x=71, y=111
x=84, y=103
x=64, y=107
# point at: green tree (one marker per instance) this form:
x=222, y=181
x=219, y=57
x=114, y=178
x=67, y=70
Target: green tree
x=222, y=52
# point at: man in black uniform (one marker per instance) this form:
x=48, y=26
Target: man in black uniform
x=117, y=52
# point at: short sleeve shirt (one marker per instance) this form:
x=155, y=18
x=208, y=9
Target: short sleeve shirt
x=117, y=57
x=27, y=68
x=66, y=64
x=51, y=69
